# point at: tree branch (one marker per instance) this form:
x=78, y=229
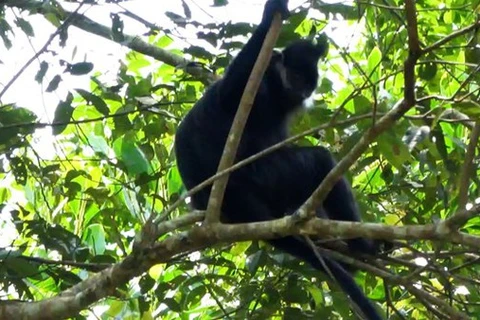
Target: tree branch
x=458, y=219
x=451, y=36
x=464, y=180
x=103, y=284
x=66, y=22
x=246, y=103
x=307, y=210
x=135, y=43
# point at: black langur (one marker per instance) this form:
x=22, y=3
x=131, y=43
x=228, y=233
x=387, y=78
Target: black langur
x=280, y=182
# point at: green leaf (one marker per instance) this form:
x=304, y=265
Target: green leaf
x=164, y=41
x=21, y=267
x=116, y=307
x=80, y=68
x=25, y=26
x=98, y=144
x=97, y=102
x=254, y=260
x=172, y=304
x=5, y=29
x=63, y=114
x=374, y=59
x=53, y=84
x=19, y=169
x=468, y=107
x=393, y=149
x=95, y=238
x=362, y=105
x=427, y=71
x=220, y=3
x=41, y=73
x=174, y=181
x=131, y=156
x=346, y=11
x=15, y=122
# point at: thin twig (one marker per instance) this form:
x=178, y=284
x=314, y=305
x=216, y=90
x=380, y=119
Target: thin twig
x=150, y=108
x=464, y=180
x=451, y=36
x=458, y=219
x=64, y=25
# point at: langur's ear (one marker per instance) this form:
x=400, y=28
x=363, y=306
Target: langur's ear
x=321, y=45
x=277, y=57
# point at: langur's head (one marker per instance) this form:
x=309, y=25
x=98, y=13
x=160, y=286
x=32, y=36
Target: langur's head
x=297, y=68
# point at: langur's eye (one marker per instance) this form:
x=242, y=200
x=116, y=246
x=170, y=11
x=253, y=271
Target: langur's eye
x=296, y=78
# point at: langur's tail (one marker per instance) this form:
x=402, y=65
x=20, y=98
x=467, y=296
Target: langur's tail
x=348, y=285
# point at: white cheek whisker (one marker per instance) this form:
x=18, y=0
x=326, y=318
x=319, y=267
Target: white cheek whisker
x=309, y=102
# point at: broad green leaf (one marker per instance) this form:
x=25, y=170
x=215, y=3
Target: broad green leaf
x=393, y=150
x=53, y=84
x=79, y=68
x=374, y=59
x=41, y=72
x=97, y=102
x=131, y=156
x=95, y=237
x=63, y=114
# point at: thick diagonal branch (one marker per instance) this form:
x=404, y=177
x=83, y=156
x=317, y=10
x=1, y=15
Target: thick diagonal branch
x=307, y=211
x=235, y=134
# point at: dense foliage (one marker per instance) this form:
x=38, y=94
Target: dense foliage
x=76, y=189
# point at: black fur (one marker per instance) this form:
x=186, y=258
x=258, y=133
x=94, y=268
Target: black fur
x=280, y=182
